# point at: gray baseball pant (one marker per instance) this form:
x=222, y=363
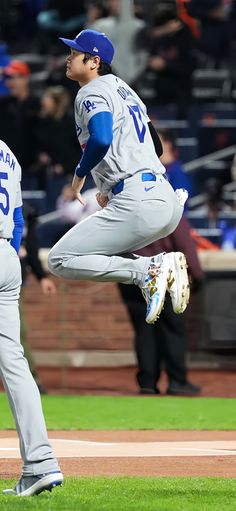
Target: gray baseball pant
x=100, y=247
x=22, y=391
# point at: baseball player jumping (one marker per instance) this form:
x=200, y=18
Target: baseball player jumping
x=139, y=205
x=40, y=467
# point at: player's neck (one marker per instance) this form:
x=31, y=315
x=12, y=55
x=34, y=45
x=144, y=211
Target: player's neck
x=87, y=79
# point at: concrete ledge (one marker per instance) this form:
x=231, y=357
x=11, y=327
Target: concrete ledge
x=218, y=259
x=121, y=358
x=86, y=358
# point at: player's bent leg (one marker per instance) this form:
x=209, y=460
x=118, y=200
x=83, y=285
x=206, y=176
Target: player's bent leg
x=129, y=222
x=86, y=251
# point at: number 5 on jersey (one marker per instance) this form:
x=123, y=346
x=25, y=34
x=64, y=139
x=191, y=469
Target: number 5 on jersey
x=140, y=127
x=3, y=191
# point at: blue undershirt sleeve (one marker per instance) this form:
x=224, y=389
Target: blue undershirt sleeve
x=18, y=228
x=100, y=139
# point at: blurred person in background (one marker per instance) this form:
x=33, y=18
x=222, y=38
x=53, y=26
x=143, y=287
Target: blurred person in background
x=169, y=43
x=177, y=176
x=71, y=210
x=30, y=261
x=95, y=10
x=18, y=114
x=18, y=23
x=60, y=17
x=214, y=203
x=124, y=29
x=216, y=28
x=164, y=344
x=57, y=148
x=56, y=60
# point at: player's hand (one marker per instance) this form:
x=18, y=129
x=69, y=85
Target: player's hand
x=48, y=286
x=77, y=185
x=102, y=200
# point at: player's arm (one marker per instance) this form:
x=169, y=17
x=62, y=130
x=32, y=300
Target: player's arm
x=99, y=141
x=156, y=140
x=18, y=228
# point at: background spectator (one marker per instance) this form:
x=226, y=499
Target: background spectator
x=71, y=210
x=214, y=203
x=60, y=18
x=164, y=342
x=177, y=177
x=123, y=28
x=18, y=113
x=95, y=10
x=169, y=44
x=57, y=148
x=215, y=27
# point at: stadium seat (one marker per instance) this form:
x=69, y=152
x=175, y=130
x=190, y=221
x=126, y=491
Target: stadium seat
x=208, y=84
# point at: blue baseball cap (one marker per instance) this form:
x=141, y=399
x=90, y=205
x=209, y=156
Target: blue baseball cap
x=93, y=42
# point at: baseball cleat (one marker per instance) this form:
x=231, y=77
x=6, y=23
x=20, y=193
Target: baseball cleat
x=28, y=486
x=178, y=282
x=154, y=289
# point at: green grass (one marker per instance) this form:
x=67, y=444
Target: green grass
x=130, y=494
x=103, y=412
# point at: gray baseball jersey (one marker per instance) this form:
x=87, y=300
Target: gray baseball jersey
x=22, y=391
x=10, y=190
x=144, y=210
x=128, y=154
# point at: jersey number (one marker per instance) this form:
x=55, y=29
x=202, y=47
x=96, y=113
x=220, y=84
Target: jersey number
x=3, y=191
x=140, y=127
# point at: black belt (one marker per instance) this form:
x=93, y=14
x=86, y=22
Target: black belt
x=145, y=176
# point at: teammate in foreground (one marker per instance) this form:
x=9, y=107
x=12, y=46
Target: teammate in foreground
x=139, y=205
x=40, y=468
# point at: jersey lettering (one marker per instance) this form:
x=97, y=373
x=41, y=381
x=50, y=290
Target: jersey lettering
x=78, y=130
x=140, y=127
x=89, y=105
x=124, y=93
x=5, y=157
x=4, y=208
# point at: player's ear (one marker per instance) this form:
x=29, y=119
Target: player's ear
x=95, y=61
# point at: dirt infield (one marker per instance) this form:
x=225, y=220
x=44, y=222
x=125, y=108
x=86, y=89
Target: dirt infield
x=121, y=381
x=133, y=453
